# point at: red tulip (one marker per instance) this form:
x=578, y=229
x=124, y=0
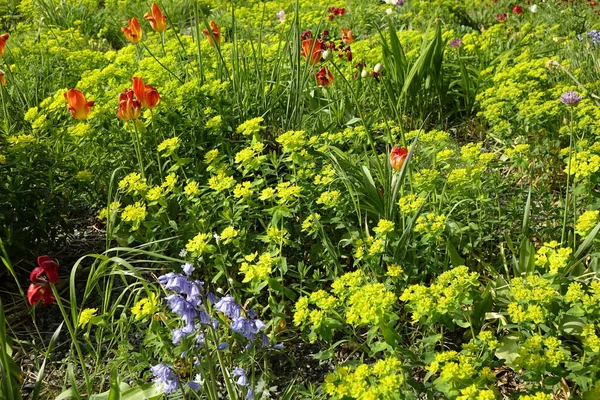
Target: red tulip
x=78, y=106
x=2, y=78
x=3, y=38
x=347, y=36
x=129, y=107
x=397, y=157
x=45, y=274
x=157, y=20
x=216, y=32
x=501, y=17
x=324, y=77
x=146, y=94
x=133, y=32
x=312, y=47
x=517, y=10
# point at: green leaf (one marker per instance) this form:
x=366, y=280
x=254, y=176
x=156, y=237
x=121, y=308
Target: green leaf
x=509, y=349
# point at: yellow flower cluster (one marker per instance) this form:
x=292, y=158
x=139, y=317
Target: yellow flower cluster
x=368, y=305
x=221, y=181
x=169, y=146
x=590, y=339
x=80, y=130
x=551, y=257
x=288, y=192
x=20, y=140
x=532, y=296
x=243, y=190
x=250, y=158
x=384, y=227
x=86, y=316
x=536, y=396
x=586, y=222
x=192, y=189
x=587, y=300
x=292, y=141
x=537, y=353
x=259, y=271
x=431, y=224
x=133, y=183
x=410, y=203
x=134, y=213
x=251, y=126
x=329, y=199
x=382, y=380
x=199, y=244
x=145, y=307
x=450, y=291
x=308, y=225
x=517, y=152
x=326, y=176
x=228, y=234
x=425, y=179
x=394, y=271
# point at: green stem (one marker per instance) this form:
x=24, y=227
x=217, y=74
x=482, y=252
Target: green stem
x=138, y=148
x=564, y=227
x=73, y=337
x=161, y=64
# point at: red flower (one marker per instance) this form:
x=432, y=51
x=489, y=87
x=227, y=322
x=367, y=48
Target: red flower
x=78, y=106
x=146, y=94
x=216, y=32
x=2, y=78
x=3, y=38
x=324, y=77
x=517, y=10
x=312, y=47
x=129, y=107
x=44, y=275
x=157, y=20
x=133, y=32
x=501, y=17
x=347, y=36
x=397, y=157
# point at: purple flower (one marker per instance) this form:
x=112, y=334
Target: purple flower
x=247, y=327
x=195, y=386
x=265, y=341
x=165, y=375
x=278, y=346
x=570, y=98
x=179, y=334
x=400, y=3
x=594, y=36
x=250, y=394
x=175, y=282
x=240, y=373
x=200, y=339
x=188, y=268
x=456, y=43
x=182, y=307
x=281, y=16
x=212, y=298
x=223, y=346
x=228, y=306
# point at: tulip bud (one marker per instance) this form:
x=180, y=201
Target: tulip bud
x=378, y=67
x=364, y=73
x=326, y=54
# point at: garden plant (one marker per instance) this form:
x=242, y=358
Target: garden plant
x=305, y=199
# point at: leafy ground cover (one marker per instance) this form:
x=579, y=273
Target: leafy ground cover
x=307, y=199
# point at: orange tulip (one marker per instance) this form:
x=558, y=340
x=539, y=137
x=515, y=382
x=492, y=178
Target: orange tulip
x=129, y=107
x=157, y=19
x=3, y=38
x=78, y=106
x=347, y=36
x=146, y=94
x=324, y=77
x=133, y=32
x=2, y=78
x=317, y=50
x=397, y=157
x=216, y=32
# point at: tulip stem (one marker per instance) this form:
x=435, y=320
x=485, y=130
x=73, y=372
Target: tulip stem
x=138, y=148
x=5, y=110
x=161, y=64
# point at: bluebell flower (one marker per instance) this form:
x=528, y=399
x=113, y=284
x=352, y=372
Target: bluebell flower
x=195, y=386
x=594, y=36
x=188, y=268
x=223, y=346
x=200, y=339
x=278, y=346
x=165, y=375
x=175, y=282
x=229, y=307
x=182, y=307
x=265, y=341
x=247, y=327
x=250, y=394
x=240, y=373
x=212, y=298
x=179, y=334
x=204, y=317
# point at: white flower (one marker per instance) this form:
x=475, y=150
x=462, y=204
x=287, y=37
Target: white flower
x=364, y=73
x=281, y=16
x=326, y=54
x=389, y=11
x=217, y=237
x=533, y=8
x=378, y=67
x=183, y=253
